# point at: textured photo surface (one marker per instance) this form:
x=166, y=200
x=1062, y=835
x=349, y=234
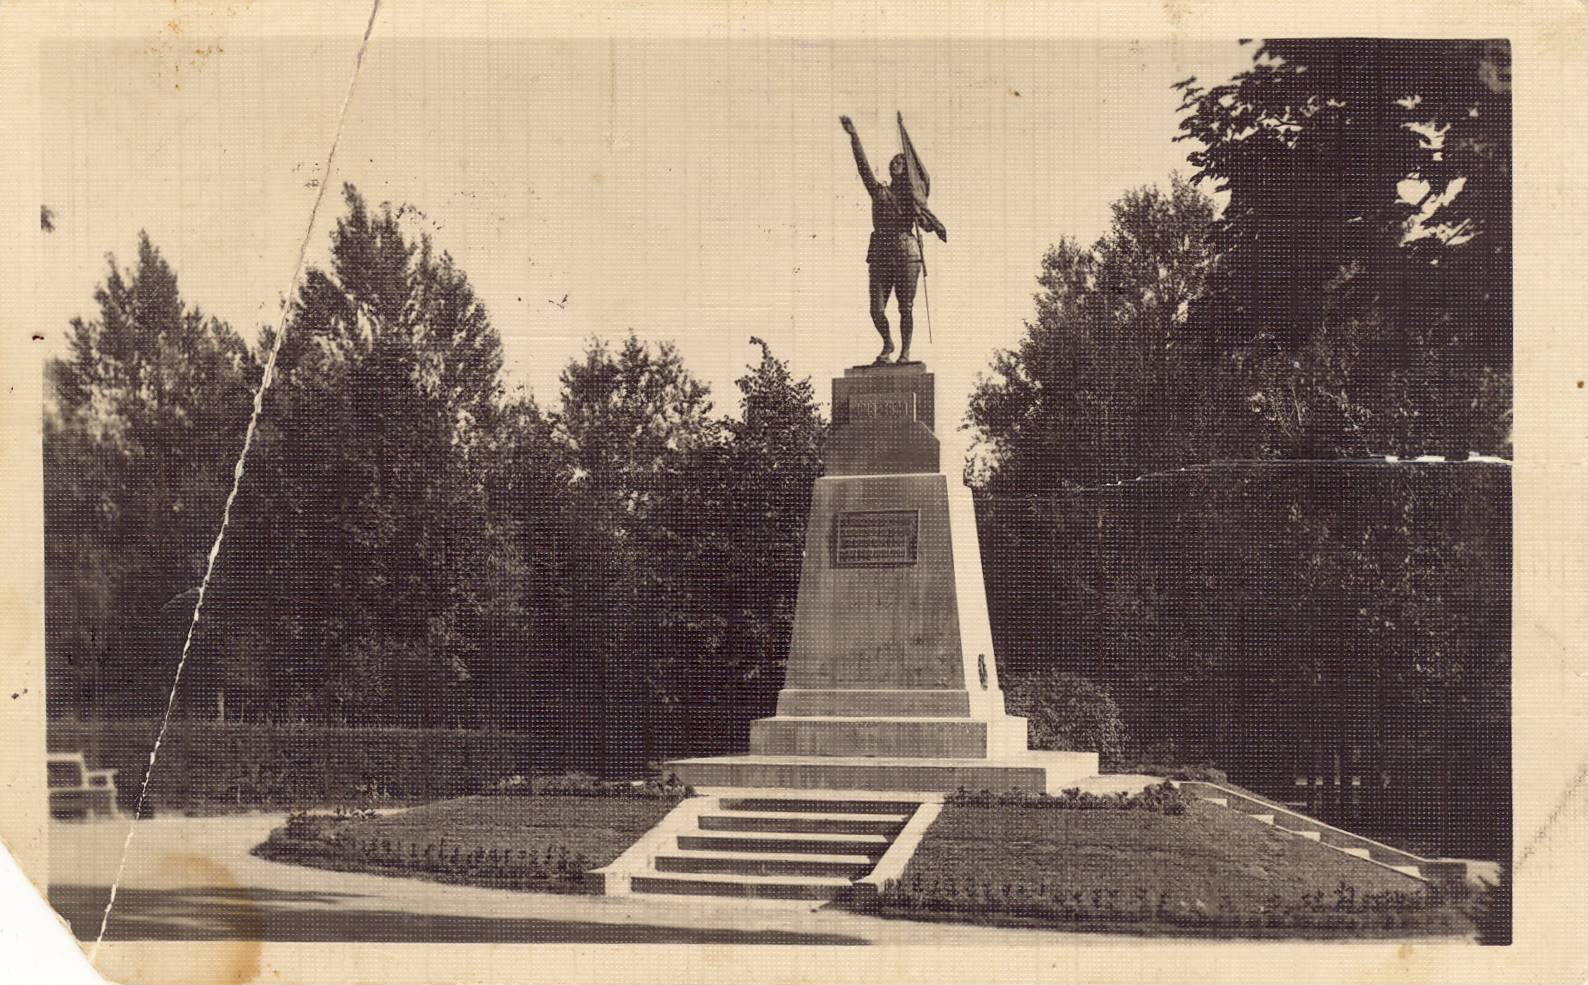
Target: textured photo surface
x=753, y=488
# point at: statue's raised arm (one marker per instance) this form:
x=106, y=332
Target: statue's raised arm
x=861, y=164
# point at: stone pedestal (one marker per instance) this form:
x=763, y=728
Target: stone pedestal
x=891, y=682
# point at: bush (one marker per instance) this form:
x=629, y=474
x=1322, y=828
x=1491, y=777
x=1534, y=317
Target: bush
x=584, y=785
x=1163, y=798
x=1201, y=772
x=919, y=894
x=1069, y=712
x=1491, y=909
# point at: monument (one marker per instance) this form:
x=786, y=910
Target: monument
x=891, y=683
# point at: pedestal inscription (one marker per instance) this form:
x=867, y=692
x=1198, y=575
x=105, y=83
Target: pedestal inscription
x=874, y=538
x=870, y=406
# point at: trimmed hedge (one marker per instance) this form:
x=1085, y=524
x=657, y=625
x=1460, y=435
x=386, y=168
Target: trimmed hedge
x=257, y=765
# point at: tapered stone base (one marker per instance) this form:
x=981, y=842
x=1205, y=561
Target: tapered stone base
x=1035, y=772
x=891, y=682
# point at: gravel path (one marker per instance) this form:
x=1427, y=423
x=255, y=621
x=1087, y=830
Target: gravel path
x=193, y=879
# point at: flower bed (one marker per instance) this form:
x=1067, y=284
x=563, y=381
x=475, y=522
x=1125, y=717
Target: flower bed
x=1036, y=902
x=1102, y=864
x=544, y=843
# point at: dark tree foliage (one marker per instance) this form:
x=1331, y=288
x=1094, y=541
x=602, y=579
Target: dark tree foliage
x=1184, y=507
x=412, y=546
x=1107, y=381
x=1385, y=161
x=149, y=414
x=366, y=566
x=670, y=543
x=1363, y=261
x=630, y=423
x=732, y=537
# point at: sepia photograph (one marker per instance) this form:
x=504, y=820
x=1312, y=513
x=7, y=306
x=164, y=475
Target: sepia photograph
x=771, y=486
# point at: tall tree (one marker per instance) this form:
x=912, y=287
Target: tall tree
x=729, y=546
x=1106, y=384
x=369, y=513
x=1088, y=393
x=148, y=416
x=1366, y=244
x=632, y=421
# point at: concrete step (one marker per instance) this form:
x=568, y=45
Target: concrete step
x=750, y=887
x=1034, y=771
x=1329, y=836
x=912, y=737
x=853, y=703
x=871, y=846
x=1380, y=853
x=814, y=805
x=765, y=864
x=1298, y=825
x=803, y=822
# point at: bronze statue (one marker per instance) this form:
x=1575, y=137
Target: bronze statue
x=894, y=254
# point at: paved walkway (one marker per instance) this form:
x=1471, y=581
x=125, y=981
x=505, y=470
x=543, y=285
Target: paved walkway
x=193, y=879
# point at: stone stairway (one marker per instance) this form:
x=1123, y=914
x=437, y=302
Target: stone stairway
x=761, y=845
x=1424, y=870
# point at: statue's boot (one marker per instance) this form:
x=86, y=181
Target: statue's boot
x=904, y=354
x=887, y=350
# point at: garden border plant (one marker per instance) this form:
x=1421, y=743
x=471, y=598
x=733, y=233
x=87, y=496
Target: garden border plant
x=1140, y=909
x=1162, y=798
x=552, y=861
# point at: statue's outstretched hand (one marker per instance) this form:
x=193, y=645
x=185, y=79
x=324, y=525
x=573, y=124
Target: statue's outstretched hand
x=942, y=233
x=847, y=124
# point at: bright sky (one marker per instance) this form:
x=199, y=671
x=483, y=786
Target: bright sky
x=699, y=191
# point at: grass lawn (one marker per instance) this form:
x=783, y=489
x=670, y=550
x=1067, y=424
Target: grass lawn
x=543, y=842
x=1207, y=868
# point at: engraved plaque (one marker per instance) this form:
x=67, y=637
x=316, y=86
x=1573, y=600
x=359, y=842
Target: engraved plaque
x=882, y=406
x=875, y=538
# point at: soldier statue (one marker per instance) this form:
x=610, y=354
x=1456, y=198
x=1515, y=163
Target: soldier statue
x=894, y=255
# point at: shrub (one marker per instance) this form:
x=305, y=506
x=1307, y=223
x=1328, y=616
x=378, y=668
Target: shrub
x=1164, y=798
x=1069, y=712
x=1491, y=909
x=584, y=785
x=1201, y=772
x=1346, y=911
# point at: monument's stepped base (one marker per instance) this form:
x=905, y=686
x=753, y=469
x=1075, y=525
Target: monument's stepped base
x=950, y=738
x=891, y=697
x=758, y=845
x=862, y=703
x=1033, y=771
x=891, y=683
